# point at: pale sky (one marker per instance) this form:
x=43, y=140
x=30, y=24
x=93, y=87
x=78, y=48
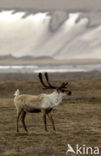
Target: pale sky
x=51, y=4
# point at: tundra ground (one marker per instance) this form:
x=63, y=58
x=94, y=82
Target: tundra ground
x=77, y=119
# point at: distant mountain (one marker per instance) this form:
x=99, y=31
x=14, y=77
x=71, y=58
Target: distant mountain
x=34, y=58
x=44, y=60
x=27, y=57
x=5, y=57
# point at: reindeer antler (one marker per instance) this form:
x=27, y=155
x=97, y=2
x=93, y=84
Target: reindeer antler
x=41, y=80
x=63, y=85
x=50, y=86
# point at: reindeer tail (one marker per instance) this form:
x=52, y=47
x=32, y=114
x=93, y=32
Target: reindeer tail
x=17, y=93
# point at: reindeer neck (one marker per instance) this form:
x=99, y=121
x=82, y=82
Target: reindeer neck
x=52, y=100
x=55, y=98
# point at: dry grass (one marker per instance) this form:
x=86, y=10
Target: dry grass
x=77, y=120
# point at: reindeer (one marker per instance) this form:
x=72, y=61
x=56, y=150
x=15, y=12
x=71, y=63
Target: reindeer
x=43, y=103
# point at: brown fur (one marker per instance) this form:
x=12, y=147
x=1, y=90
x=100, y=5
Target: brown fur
x=30, y=98
x=23, y=104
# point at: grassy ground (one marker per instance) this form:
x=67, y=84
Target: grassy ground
x=77, y=120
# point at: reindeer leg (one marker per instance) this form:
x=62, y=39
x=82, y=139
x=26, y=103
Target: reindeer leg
x=19, y=113
x=23, y=115
x=45, y=120
x=52, y=121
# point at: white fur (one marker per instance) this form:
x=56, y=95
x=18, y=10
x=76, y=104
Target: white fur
x=52, y=100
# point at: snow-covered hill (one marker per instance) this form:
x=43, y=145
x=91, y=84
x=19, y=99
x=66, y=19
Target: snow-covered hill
x=59, y=34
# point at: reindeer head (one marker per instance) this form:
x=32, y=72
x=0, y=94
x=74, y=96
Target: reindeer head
x=60, y=89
